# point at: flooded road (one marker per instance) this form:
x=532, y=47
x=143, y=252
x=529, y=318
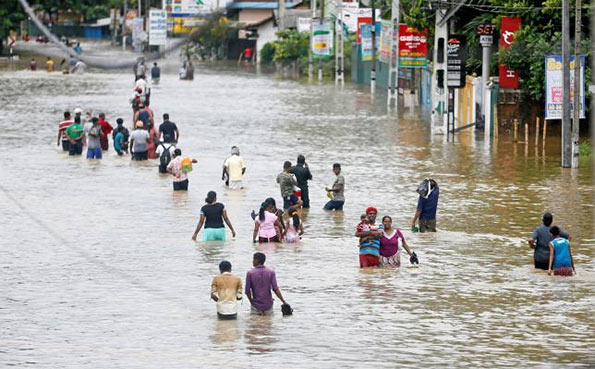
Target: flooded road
x=99, y=269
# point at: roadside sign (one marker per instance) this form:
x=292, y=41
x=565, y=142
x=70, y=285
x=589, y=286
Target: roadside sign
x=456, y=59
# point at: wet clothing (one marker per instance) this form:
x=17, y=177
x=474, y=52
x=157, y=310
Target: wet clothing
x=93, y=136
x=266, y=227
x=145, y=117
x=427, y=225
x=370, y=246
x=334, y=205
x=119, y=143
x=561, y=253
x=62, y=129
x=213, y=215
x=289, y=201
x=292, y=235
x=106, y=128
x=228, y=288
x=235, y=166
x=75, y=132
x=94, y=153
x=123, y=130
x=75, y=148
x=367, y=260
x=543, y=237
x=139, y=140
x=167, y=129
x=429, y=206
x=175, y=166
x=259, y=283
x=339, y=185
x=155, y=73
x=181, y=186
x=303, y=175
x=389, y=249
x=286, y=182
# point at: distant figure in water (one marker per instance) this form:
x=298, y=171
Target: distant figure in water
x=427, y=204
x=155, y=73
x=49, y=65
x=560, y=255
x=259, y=283
x=190, y=71
x=33, y=64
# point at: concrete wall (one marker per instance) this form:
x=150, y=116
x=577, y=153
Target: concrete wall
x=266, y=33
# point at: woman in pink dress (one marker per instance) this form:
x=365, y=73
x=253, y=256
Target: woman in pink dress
x=266, y=225
x=389, y=244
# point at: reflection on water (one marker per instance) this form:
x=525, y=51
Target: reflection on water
x=100, y=269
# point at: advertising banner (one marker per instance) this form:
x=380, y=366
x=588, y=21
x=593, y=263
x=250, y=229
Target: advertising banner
x=157, y=27
x=509, y=78
x=386, y=34
x=554, y=90
x=322, y=40
x=456, y=59
x=413, y=47
x=183, y=8
x=304, y=24
x=366, y=41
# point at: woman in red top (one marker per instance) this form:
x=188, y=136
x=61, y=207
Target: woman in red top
x=389, y=244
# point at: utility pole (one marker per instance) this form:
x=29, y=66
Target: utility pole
x=373, y=69
x=485, y=32
x=281, y=13
x=310, y=57
x=321, y=21
x=339, y=57
x=566, y=137
x=439, y=96
x=393, y=63
x=577, y=85
x=124, y=25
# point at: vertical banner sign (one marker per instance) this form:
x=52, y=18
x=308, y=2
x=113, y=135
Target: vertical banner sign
x=366, y=41
x=509, y=78
x=322, y=40
x=157, y=27
x=360, y=21
x=554, y=87
x=455, y=66
x=413, y=47
x=386, y=34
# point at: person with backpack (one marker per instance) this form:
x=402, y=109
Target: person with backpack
x=179, y=168
x=427, y=204
x=94, y=134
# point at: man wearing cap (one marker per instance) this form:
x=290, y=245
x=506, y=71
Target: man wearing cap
x=336, y=193
x=67, y=122
x=139, y=140
x=369, y=248
x=234, y=169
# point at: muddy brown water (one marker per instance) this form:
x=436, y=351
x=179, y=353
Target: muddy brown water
x=98, y=268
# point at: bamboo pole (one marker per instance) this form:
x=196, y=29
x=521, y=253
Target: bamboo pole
x=544, y=131
x=536, y=131
x=515, y=135
x=526, y=133
x=496, y=125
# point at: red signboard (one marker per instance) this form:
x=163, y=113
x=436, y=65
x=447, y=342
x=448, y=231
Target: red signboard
x=413, y=46
x=362, y=20
x=509, y=78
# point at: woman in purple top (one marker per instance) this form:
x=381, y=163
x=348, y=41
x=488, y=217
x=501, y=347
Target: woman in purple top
x=389, y=244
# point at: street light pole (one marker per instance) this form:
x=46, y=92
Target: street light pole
x=577, y=85
x=373, y=69
x=566, y=136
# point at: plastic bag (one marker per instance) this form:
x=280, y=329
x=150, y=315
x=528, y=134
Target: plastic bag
x=186, y=165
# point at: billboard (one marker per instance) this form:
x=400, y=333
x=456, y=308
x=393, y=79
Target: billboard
x=413, y=47
x=157, y=27
x=322, y=40
x=509, y=78
x=554, y=91
x=455, y=62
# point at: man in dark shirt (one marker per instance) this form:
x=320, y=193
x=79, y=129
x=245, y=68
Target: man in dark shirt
x=426, y=208
x=303, y=175
x=540, y=240
x=168, y=130
x=155, y=73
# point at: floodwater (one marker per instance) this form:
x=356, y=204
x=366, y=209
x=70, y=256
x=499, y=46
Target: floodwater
x=99, y=269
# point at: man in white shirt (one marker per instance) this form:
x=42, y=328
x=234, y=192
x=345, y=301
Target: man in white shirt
x=234, y=169
x=226, y=290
